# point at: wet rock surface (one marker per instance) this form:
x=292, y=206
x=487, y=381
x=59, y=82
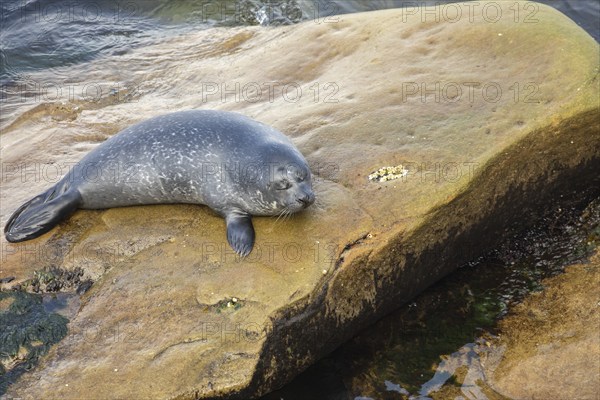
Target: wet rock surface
x=550, y=347
x=160, y=320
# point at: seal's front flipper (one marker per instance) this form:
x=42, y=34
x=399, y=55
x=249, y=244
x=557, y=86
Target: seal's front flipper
x=41, y=214
x=240, y=233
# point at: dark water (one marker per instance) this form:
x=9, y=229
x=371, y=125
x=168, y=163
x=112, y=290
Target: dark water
x=41, y=34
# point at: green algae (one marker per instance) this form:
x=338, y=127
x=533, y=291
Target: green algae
x=28, y=331
x=227, y=305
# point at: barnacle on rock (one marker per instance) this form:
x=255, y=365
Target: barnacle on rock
x=388, y=173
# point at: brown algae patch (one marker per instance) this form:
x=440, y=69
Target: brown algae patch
x=54, y=279
x=232, y=44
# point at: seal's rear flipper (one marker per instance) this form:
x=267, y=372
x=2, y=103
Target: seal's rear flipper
x=41, y=214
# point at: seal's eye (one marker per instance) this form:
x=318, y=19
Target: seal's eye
x=283, y=184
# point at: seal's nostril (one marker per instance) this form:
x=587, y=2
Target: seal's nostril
x=306, y=200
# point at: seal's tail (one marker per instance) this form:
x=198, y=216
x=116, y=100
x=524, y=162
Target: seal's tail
x=41, y=214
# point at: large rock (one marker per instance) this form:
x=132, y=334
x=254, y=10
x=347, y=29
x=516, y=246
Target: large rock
x=493, y=114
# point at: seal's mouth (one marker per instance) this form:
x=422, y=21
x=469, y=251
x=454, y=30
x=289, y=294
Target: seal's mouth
x=305, y=203
x=307, y=200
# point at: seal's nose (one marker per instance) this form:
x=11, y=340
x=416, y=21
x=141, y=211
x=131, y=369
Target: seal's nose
x=307, y=200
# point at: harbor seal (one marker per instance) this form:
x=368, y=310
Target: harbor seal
x=236, y=166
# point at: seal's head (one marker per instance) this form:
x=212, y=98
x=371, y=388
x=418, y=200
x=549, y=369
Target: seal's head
x=283, y=185
x=290, y=187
